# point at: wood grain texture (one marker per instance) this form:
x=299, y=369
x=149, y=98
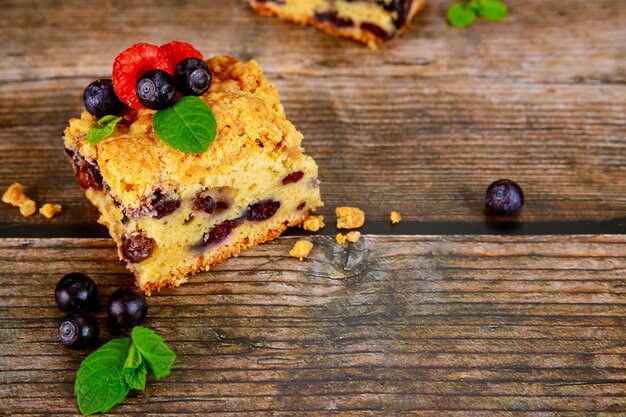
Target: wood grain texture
x=421, y=126
x=433, y=326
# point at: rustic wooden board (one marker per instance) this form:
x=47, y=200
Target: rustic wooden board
x=460, y=326
x=421, y=126
x=424, y=325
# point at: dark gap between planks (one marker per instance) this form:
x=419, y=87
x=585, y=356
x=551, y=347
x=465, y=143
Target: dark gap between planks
x=375, y=227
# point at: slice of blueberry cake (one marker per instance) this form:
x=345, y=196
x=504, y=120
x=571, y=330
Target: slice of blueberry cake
x=369, y=21
x=171, y=212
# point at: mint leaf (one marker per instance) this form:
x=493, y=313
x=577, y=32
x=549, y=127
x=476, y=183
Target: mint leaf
x=101, y=129
x=100, y=382
x=134, y=359
x=188, y=126
x=492, y=9
x=158, y=356
x=461, y=14
x=135, y=369
x=107, y=375
x=136, y=378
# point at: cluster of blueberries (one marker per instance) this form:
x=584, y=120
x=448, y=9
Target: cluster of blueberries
x=77, y=294
x=156, y=89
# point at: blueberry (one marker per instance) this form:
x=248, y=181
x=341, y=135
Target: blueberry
x=79, y=330
x=193, y=77
x=262, y=210
x=76, y=291
x=89, y=176
x=156, y=89
x=127, y=307
x=164, y=205
x=137, y=248
x=504, y=198
x=100, y=99
x=376, y=30
x=334, y=19
x=205, y=203
x=219, y=232
x=293, y=177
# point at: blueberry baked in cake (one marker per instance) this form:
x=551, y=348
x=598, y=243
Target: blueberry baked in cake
x=369, y=21
x=188, y=161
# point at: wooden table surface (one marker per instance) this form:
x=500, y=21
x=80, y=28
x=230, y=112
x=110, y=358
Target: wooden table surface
x=441, y=315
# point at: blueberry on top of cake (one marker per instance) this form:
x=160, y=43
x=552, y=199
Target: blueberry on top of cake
x=175, y=208
x=369, y=21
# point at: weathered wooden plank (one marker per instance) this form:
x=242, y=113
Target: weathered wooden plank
x=421, y=126
x=425, y=325
x=536, y=42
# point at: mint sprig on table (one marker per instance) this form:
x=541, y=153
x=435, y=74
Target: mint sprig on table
x=464, y=12
x=101, y=129
x=107, y=375
x=188, y=126
x=135, y=369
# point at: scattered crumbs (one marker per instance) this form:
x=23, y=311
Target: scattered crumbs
x=313, y=223
x=351, y=237
x=15, y=196
x=349, y=217
x=395, y=217
x=301, y=249
x=28, y=208
x=50, y=210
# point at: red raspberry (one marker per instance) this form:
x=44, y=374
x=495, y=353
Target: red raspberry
x=177, y=51
x=131, y=64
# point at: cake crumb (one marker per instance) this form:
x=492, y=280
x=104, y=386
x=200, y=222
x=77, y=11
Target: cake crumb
x=15, y=196
x=301, y=249
x=313, y=223
x=395, y=217
x=351, y=237
x=28, y=208
x=349, y=217
x=50, y=210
